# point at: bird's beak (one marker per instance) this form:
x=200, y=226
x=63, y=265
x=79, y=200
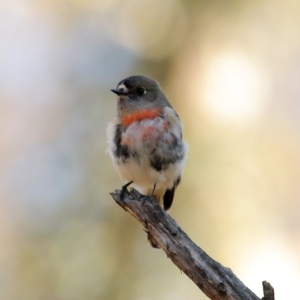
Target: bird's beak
x=119, y=92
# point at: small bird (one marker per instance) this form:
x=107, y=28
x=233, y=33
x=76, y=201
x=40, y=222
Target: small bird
x=145, y=140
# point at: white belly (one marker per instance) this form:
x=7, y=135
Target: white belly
x=144, y=177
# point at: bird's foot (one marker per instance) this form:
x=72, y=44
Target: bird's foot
x=143, y=198
x=124, y=190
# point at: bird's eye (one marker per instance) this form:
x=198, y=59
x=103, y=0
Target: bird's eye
x=141, y=91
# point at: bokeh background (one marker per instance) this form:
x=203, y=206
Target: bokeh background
x=230, y=68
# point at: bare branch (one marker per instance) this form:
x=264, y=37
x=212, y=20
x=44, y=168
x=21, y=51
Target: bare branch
x=269, y=293
x=216, y=281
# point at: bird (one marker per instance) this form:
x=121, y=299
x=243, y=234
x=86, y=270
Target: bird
x=145, y=141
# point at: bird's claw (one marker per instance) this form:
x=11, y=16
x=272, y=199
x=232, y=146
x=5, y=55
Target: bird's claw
x=143, y=198
x=124, y=190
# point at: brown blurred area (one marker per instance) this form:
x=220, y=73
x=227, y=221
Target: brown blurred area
x=230, y=68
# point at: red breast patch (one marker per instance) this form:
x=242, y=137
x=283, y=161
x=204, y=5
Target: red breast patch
x=141, y=115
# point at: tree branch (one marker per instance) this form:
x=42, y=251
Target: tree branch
x=216, y=281
x=269, y=293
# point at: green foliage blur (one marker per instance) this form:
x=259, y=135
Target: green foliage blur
x=230, y=69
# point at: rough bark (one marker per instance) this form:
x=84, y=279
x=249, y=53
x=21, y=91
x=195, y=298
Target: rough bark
x=269, y=293
x=215, y=280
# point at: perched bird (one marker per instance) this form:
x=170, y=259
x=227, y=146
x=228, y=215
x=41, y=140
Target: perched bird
x=145, y=140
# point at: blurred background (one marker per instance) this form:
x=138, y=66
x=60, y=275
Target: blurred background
x=231, y=70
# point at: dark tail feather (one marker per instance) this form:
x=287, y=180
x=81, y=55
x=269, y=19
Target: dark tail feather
x=168, y=198
x=169, y=195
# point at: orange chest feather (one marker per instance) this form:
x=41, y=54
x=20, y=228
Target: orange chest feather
x=146, y=114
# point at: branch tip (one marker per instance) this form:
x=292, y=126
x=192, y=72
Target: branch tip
x=216, y=281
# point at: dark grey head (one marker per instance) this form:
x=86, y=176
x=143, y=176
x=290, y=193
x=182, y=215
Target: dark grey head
x=137, y=93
